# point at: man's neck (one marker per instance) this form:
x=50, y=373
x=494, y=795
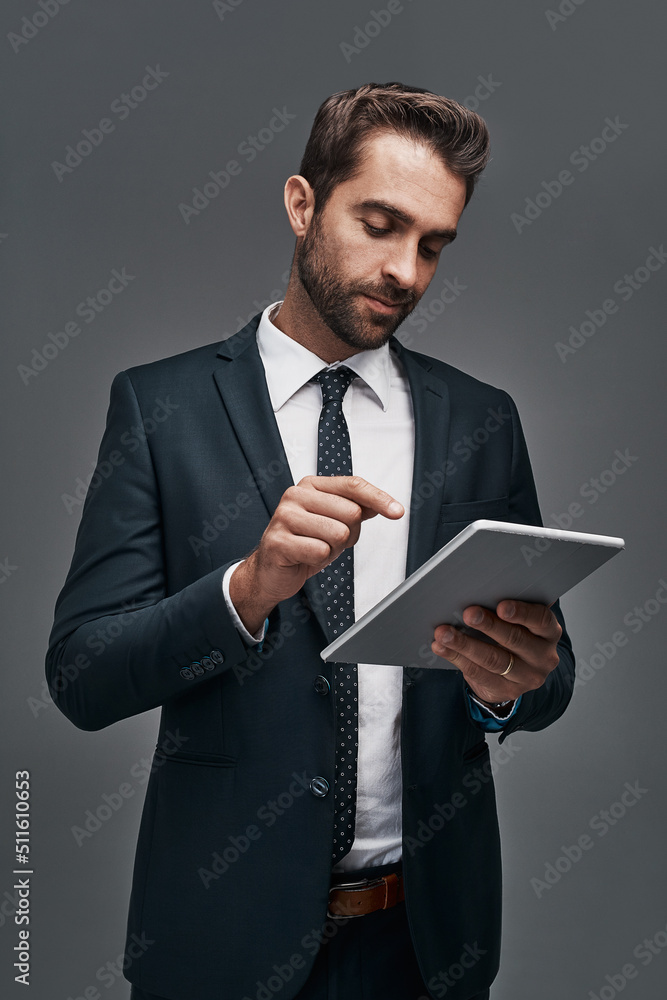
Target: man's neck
x=298, y=319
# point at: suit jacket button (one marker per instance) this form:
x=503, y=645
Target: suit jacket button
x=319, y=787
x=322, y=685
x=216, y=656
x=197, y=668
x=207, y=663
x=186, y=673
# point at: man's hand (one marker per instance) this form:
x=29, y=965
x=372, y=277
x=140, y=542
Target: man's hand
x=313, y=523
x=528, y=632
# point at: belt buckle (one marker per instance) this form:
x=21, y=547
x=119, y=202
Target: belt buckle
x=365, y=882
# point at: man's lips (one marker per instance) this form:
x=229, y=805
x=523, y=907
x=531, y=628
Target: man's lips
x=381, y=305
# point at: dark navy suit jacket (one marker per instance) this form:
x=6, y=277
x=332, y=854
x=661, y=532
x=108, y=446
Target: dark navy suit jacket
x=234, y=853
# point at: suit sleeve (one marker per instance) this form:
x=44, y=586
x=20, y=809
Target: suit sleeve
x=252, y=640
x=119, y=645
x=537, y=709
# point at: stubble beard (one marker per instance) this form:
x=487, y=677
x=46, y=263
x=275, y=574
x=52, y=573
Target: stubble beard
x=337, y=303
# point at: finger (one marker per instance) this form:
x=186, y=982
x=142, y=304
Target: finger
x=370, y=498
x=537, y=618
x=335, y=533
x=321, y=515
x=512, y=636
x=490, y=685
x=286, y=550
x=467, y=652
x=320, y=501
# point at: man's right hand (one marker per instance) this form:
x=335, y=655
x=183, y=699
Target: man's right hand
x=313, y=523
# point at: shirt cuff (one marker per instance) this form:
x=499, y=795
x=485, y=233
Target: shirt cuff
x=252, y=640
x=492, y=719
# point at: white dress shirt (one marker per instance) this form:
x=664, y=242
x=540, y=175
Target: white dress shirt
x=378, y=411
x=379, y=415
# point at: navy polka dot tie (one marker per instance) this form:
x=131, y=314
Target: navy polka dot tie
x=334, y=458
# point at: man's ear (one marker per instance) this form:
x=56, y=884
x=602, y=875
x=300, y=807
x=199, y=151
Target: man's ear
x=299, y=203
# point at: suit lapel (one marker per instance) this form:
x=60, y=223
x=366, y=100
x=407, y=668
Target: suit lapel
x=242, y=385
x=430, y=403
x=245, y=394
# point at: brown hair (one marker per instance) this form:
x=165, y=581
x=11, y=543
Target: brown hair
x=345, y=122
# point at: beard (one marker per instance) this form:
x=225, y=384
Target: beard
x=336, y=300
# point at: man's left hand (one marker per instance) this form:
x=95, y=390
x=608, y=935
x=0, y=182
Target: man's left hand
x=527, y=632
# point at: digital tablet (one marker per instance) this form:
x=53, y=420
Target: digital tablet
x=487, y=562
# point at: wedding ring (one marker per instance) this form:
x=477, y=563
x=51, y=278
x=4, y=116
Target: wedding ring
x=509, y=666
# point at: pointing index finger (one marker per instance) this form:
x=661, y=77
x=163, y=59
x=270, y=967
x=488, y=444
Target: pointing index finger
x=370, y=498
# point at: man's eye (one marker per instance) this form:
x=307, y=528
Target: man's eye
x=375, y=231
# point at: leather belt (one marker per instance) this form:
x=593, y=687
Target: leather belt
x=354, y=899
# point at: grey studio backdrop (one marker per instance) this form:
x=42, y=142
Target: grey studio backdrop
x=554, y=290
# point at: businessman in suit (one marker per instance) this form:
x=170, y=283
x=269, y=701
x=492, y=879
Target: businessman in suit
x=313, y=830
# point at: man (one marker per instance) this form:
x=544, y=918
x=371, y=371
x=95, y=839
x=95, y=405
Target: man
x=311, y=829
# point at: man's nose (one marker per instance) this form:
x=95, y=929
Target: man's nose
x=401, y=265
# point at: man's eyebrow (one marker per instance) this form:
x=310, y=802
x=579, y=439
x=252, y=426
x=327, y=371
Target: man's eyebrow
x=398, y=213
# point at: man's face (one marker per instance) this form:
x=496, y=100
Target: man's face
x=368, y=257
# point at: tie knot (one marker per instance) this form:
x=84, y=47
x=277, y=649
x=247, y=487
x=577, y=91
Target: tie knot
x=334, y=382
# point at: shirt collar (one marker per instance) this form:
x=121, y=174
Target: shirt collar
x=288, y=365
